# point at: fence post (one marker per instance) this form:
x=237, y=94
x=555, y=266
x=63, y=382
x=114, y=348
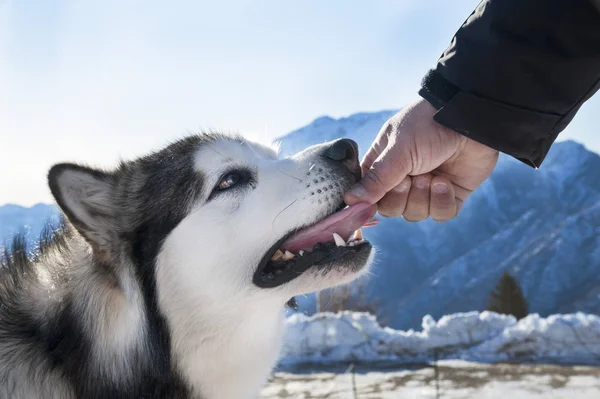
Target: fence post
x=437, y=374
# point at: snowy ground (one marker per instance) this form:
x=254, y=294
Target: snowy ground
x=449, y=380
x=481, y=337
x=464, y=355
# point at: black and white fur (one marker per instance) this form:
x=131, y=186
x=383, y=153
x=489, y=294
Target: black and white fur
x=146, y=290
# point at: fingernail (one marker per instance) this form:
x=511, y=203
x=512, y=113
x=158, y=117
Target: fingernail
x=421, y=182
x=440, y=188
x=402, y=187
x=358, y=191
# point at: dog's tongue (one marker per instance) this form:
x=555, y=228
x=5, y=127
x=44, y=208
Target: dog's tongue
x=344, y=223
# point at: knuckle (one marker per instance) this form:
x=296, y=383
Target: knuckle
x=391, y=206
x=374, y=177
x=387, y=127
x=368, y=160
x=390, y=211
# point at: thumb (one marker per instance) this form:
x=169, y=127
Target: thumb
x=385, y=173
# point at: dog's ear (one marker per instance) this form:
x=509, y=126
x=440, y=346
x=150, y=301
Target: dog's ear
x=85, y=196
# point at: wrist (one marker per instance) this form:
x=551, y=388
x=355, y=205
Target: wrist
x=440, y=129
x=444, y=131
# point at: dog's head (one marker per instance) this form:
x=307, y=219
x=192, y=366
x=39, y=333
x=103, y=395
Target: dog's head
x=212, y=218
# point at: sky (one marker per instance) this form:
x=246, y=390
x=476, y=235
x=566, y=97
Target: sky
x=96, y=82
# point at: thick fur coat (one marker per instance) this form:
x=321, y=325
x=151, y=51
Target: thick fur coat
x=149, y=288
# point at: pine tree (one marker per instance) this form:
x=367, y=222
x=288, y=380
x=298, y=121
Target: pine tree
x=507, y=298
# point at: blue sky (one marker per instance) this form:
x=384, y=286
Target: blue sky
x=98, y=81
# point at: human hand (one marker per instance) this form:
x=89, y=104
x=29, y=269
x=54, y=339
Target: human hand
x=417, y=168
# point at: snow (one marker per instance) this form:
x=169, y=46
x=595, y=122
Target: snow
x=474, y=336
x=451, y=379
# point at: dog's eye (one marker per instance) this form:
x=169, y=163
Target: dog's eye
x=230, y=180
x=234, y=180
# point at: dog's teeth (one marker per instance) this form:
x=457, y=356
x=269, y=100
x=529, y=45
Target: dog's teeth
x=301, y=252
x=288, y=255
x=277, y=255
x=339, y=241
x=358, y=235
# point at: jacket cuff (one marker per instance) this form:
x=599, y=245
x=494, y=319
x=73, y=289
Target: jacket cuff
x=521, y=133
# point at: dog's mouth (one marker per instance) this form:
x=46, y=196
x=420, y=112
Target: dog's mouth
x=338, y=237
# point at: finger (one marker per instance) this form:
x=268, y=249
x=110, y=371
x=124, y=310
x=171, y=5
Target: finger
x=417, y=206
x=442, y=202
x=376, y=148
x=394, y=202
x=460, y=193
x=385, y=173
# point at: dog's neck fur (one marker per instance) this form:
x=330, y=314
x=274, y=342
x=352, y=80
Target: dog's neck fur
x=231, y=352
x=230, y=349
x=111, y=298
x=227, y=346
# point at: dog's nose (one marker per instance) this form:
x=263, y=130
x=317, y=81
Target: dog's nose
x=342, y=150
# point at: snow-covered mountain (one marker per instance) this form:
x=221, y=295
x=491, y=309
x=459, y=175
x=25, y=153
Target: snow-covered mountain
x=541, y=225
x=362, y=127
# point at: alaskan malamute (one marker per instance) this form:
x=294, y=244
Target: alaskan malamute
x=170, y=274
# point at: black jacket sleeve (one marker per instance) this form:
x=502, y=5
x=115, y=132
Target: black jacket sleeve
x=517, y=72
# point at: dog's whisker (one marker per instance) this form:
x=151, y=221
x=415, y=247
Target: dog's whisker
x=330, y=299
x=211, y=147
x=287, y=174
x=284, y=209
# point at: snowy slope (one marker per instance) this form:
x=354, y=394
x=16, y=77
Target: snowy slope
x=542, y=225
x=328, y=338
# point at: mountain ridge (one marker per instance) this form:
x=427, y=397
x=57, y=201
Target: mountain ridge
x=541, y=225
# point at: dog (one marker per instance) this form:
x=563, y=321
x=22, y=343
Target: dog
x=170, y=274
